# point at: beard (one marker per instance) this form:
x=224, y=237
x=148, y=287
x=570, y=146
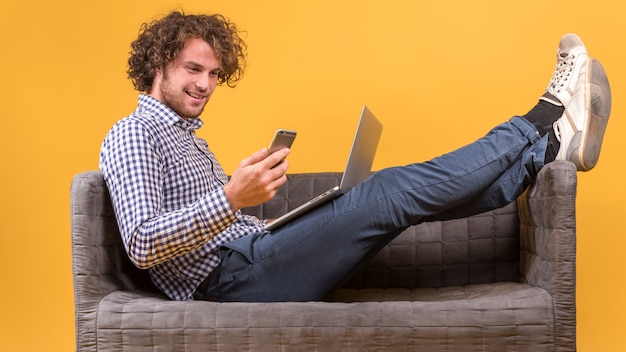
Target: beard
x=176, y=99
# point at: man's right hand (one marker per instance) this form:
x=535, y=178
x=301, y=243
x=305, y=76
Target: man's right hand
x=257, y=178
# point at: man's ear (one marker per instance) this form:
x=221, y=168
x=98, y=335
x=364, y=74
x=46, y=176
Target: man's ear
x=156, y=82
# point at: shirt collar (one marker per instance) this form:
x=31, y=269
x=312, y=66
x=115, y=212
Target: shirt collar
x=162, y=112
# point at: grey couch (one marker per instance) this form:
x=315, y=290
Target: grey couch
x=499, y=281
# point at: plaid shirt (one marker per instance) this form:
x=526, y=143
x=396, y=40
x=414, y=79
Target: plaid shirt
x=167, y=190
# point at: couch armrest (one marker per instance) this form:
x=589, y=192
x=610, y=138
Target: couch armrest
x=547, y=212
x=99, y=262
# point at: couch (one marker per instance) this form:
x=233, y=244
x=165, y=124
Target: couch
x=499, y=281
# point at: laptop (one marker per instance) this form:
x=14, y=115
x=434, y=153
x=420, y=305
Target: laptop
x=358, y=167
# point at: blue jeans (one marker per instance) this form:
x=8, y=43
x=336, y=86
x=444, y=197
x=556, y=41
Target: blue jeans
x=309, y=257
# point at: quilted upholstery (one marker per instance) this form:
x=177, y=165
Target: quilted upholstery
x=499, y=281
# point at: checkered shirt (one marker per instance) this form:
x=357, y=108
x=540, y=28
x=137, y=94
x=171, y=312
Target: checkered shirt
x=167, y=190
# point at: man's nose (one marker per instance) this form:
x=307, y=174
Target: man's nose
x=203, y=81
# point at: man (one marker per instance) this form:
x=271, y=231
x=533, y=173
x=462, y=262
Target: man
x=179, y=214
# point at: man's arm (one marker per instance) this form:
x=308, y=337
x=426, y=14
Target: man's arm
x=132, y=163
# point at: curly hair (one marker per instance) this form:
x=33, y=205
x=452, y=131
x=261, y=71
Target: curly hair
x=160, y=41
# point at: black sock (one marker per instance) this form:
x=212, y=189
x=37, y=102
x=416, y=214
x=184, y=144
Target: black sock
x=553, y=147
x=543, y=115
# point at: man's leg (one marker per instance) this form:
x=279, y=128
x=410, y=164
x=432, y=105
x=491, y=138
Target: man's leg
x=305, y=259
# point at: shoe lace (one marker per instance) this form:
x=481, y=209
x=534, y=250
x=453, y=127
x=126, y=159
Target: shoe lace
x=562, y=72
x=556, y=126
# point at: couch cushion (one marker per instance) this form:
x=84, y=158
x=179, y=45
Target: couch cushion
x=506, y=315
x=481, y=249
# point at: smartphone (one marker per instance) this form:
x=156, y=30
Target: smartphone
x=282, y=139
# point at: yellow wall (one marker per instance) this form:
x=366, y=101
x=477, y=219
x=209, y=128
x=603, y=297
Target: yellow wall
x=438, y=73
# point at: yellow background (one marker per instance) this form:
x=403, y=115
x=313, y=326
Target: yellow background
x=439, y=74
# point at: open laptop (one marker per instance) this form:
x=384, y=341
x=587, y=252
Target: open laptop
x=358, y=167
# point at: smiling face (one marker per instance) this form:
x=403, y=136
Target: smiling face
x=188, y=82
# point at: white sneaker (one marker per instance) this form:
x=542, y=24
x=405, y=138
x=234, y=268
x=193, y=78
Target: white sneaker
x=570, y=57
x=581, y=127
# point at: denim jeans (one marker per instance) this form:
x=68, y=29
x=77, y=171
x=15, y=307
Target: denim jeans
x=309, y=257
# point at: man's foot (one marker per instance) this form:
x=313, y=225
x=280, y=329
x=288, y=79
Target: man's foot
x=570, y=57
x=581, y=128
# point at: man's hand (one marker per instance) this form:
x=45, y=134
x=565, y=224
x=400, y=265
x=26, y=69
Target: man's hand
x=257, y=178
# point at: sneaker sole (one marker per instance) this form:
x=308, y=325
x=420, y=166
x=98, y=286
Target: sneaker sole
x=584, y=149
